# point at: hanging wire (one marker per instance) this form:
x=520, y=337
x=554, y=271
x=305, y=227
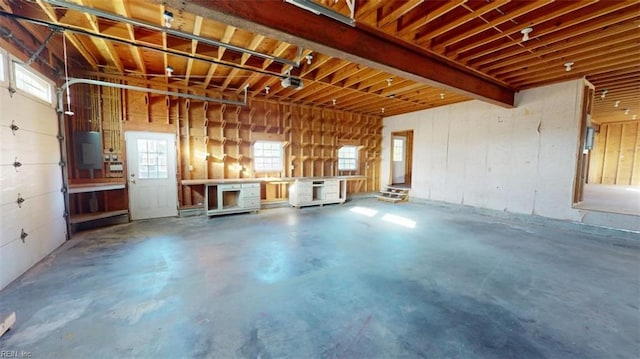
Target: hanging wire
x=66, y=75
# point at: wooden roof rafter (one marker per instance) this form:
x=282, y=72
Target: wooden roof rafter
x=122, y=8
x=51, y=14
x=105, y=47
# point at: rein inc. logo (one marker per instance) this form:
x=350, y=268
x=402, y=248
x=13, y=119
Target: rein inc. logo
x=15, y=354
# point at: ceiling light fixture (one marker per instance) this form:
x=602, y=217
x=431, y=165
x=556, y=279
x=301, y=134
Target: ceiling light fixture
x=309, y=58
x=382, y=109
x=604, y=93
x=168, y=18
x=616, y=104
x=525, y=33
x=634, y=117
x=334, y=101
x=294, y=82
x=389, y=81
x=442, y=95
x=169, y=71
x=267, y=89
x=567, y=66
x=626, y=111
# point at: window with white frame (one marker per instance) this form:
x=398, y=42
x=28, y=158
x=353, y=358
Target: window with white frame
x=348, y=158
x=267, y=156
x=398, y=150
x=32, y=83
x=2, y=55
x=152, y=159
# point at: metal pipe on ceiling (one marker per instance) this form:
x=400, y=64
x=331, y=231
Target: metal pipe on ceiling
x=8, y=34
x=150, y=26
x=73, y=81
x=41, y=48
x=62, y=28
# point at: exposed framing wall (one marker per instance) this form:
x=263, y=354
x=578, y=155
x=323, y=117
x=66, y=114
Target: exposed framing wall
x=215, y=140
x=616, y=154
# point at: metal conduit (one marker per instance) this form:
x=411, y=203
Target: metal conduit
x=73, y=81
x=186, y=35
x=63, y=28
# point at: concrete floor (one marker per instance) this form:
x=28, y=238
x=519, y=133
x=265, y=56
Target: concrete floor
x=611, y=198
x=352, y=281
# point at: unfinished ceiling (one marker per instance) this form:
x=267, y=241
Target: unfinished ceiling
x=400, y=56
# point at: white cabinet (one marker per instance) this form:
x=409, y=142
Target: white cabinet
x=226, y=197
x=317, y=191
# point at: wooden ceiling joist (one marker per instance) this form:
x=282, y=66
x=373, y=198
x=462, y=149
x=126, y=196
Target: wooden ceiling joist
x=444, y=8
x=294, y=25
x=489, y=6
x=491, y=24
x=549, y=32
x=514, y=29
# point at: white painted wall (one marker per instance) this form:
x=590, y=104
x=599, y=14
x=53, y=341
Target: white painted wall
x=520, y=160
x=38, y=181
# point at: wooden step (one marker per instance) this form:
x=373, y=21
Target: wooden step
x=397, y=188
x=393, y=194
x=389, y=199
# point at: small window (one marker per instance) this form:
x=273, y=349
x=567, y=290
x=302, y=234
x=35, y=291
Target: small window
x=32, y=83
x=267, y=156
x=152, y=159
x=398, y=150
x=348, y=158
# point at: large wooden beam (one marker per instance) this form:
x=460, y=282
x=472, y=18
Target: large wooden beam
x=286, y=22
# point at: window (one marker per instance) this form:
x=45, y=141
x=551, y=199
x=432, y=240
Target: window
x=267, y=156
x=32, y=83
x=1, y=66
x=348, y=158
x=152, y=159
x=398, y=150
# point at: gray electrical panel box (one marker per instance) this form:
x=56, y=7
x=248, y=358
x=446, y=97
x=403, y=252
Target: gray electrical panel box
x=88, y=150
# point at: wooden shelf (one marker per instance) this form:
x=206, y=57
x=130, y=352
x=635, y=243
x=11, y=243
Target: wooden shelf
x=94, y=187
x=87, y=217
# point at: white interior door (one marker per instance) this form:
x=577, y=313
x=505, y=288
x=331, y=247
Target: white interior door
x=398, y=160
x=151, y=172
